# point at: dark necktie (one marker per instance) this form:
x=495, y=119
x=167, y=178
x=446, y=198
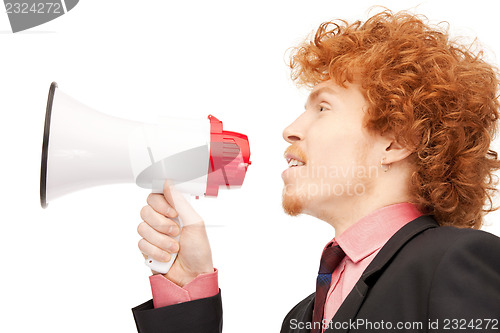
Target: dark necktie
x=331, y=257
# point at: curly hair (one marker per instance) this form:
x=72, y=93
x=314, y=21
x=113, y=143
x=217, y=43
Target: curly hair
x=434, y=95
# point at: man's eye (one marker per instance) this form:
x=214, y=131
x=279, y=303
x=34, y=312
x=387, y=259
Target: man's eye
x=321, y=108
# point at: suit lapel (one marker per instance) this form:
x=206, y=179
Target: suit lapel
x=351, y=305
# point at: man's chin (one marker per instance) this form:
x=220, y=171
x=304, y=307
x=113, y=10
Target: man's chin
x=292, y=205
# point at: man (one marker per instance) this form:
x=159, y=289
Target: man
x=393, y=151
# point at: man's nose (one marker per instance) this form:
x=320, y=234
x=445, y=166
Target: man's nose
x=292, y=133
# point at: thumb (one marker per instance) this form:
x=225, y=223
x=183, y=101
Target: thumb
x=177, y=200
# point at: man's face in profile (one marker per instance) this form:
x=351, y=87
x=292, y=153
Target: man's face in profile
x=331, y=158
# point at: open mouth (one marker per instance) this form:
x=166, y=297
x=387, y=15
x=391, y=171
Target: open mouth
x=293, y=161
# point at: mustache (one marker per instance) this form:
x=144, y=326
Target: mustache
x=294, y=150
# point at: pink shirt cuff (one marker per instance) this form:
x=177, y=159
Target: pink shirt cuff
x=165, y=292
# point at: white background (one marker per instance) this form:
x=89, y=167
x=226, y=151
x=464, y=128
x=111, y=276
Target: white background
x=75, y=266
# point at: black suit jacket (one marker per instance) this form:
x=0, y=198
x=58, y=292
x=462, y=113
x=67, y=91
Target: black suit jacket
x=426, y=278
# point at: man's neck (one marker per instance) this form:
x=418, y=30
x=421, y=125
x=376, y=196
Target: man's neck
x=342, y=214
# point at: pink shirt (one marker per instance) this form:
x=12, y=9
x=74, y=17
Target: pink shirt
x=361, y=242
x=165, y=292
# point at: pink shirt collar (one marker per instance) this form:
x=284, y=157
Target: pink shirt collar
x=371, y=232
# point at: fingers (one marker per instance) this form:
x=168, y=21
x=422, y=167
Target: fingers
x=158, y=239
x=167, y=193
x=157, y=221
x=151, y=251
x=175, y=199
x=159, y=203
x=155, y=231
x=155, y=244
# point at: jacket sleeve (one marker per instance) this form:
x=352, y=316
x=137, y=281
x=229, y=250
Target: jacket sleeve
x=165, y=292
x=201, y=316
x=465, y=292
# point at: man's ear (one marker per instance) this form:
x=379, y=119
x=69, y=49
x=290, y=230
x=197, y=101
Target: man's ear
x=395, y=152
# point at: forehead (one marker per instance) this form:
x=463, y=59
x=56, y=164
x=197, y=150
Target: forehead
x=319, y=90
x=325, y=87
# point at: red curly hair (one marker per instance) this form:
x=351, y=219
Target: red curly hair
x=434, y=95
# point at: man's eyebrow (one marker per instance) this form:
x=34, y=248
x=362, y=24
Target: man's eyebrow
x=314, y=95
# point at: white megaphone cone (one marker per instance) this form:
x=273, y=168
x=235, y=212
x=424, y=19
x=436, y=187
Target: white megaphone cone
x=84, y=148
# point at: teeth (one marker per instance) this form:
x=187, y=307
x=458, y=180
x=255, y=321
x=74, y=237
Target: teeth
x=293, y=163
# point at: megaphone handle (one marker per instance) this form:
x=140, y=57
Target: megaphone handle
x=163, y=267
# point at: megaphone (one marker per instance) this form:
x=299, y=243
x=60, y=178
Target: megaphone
x=83, y=148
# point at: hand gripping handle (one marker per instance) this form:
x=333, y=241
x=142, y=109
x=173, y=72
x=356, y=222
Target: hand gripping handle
x=160, y=266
